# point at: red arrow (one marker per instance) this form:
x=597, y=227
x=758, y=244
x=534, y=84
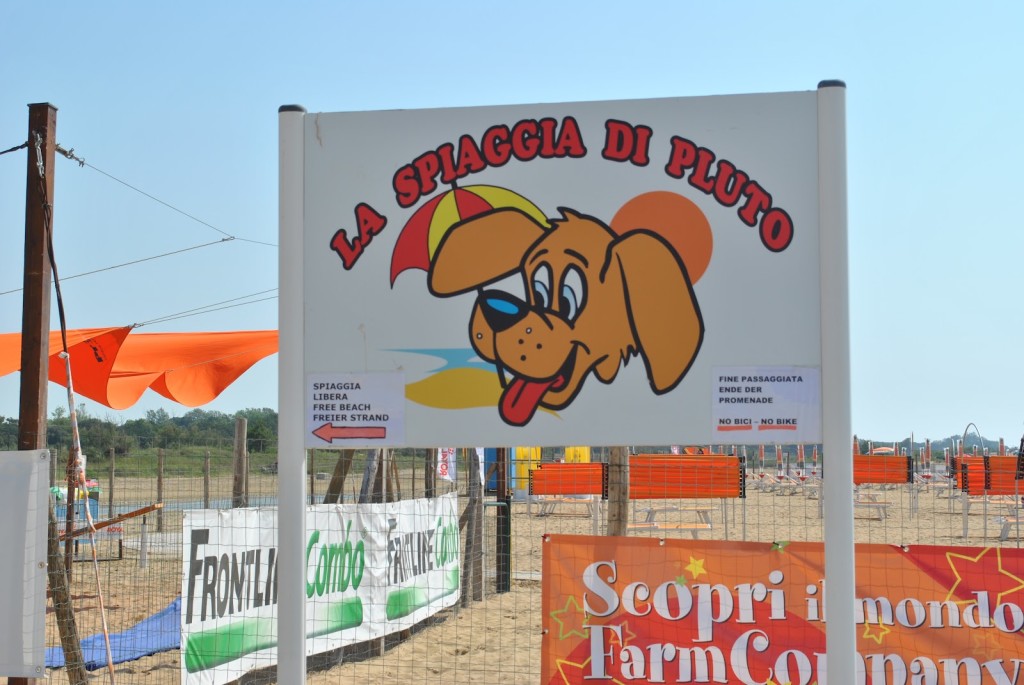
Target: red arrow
x=329, y=432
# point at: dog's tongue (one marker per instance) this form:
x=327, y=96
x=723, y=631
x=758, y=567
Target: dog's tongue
x=521, y=398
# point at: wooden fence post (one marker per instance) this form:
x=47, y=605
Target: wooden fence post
x=312, y=476
x=369, y=476
x=110, y=485
x=618, y=491
x=503, y=525
x=239, y=495
x=472, y=568
x=160, y=488
x=381, y=478
x=206, y=480
x=334, y=494
x=429, y=473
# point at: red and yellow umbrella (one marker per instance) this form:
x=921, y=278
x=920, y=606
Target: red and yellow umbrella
x=429, y=224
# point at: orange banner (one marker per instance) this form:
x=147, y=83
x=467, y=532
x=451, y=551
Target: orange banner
x=621, y=610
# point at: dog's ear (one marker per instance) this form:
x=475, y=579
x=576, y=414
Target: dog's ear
x=480, y=250
x=663, y=310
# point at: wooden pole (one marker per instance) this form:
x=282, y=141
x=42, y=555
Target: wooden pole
x=412, y=482
x=35, y=314
x=337, y=484
x=380, y=482
x=110, y=486
x=74, y=662
x=35, y=353
x=473, y=558
x=100, y=525
x=312, y=474
x=476, y=497
x=393, y=487
x=239, y=496
x=72, y=505
x=503, y=525
x=206, y=480
x=618, y=491
x=369, y=476
x=429, y=472
x=160, y=488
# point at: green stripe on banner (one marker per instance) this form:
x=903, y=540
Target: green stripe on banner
x=407, y=600
x=218, y=646
x=342, y=615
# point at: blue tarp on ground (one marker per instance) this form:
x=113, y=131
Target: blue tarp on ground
x=158, y=633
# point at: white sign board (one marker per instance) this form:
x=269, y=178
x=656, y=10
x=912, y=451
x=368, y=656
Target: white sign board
x=370, y=570
x=355, y=409
x=25, y=494
x=560, y=274
x=767, y=404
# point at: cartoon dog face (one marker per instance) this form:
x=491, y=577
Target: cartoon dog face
x=593, y=300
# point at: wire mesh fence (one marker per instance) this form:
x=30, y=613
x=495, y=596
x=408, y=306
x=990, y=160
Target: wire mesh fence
x=483, y=626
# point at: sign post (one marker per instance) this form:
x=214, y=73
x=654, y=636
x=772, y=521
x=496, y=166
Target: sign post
x=291, y=456
x=841, y=639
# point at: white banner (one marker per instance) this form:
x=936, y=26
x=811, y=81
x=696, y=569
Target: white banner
x=371, y=570
x=446, y=463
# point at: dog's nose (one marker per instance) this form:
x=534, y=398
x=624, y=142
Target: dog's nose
x=501, y=310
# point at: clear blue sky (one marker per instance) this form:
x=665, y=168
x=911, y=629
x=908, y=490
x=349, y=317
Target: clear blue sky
x=180, y=100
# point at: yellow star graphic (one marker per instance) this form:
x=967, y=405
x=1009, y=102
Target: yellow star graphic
x=883, y=630
x=951, y=558
x=696, y=568
x=575, y=619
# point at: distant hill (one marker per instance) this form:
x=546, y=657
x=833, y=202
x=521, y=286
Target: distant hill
x=972, y=440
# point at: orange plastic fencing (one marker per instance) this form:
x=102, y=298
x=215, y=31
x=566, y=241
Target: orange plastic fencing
x=992, y=475
x=570, y=479
x=970, y=474
x=1001, y=472
x=882, y=469
x=954, y=469
x=669, y=476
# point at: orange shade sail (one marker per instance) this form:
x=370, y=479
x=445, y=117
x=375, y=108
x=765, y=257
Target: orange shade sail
x=115, y=366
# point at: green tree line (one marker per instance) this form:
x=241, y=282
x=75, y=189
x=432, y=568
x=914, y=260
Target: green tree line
x=156, y=429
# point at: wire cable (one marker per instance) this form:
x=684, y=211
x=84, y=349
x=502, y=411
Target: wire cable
x=134, y=261
x=15, y=148
x=70, y=154
x=213, y=307
x=207, y=311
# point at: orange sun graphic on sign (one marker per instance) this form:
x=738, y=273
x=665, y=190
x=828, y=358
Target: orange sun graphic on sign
x=677, y=219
